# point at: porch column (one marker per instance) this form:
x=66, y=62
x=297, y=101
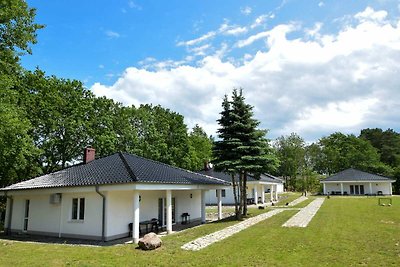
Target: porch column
x=263, y=194
x=370, y=188
x=255, y=195
x=169, y=211
x=219, y=204
x=341, y=188
x=276, y=192
x=390, y=188
x=324, y=188
x=136, y=209
x=271, y=191
x=203, y=206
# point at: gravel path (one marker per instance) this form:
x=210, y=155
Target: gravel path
x=305, y=215
x=297, y=201
x=207, y=240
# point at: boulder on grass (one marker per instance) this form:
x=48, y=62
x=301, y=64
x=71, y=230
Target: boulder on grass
x=149, y=241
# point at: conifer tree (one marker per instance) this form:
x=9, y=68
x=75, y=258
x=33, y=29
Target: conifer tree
x=242, y=148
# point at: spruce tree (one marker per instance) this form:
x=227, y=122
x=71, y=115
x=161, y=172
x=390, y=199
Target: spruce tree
x=242, y=148
x=255, y=157
x=224, y=150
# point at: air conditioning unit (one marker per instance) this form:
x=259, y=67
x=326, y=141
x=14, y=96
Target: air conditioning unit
x=55, y=198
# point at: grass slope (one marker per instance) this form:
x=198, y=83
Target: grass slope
x=345, y=232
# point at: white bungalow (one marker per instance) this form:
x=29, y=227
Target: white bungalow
x=98, y=199
x=256, y=188
x=356, y=182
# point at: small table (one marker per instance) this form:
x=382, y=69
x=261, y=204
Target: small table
x=185, y=216
x=153, y=223
x=250, y=201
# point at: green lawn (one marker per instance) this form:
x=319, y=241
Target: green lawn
x=345, y=232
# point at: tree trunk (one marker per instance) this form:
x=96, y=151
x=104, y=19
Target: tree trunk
x=235, y=196
x=240, y=212
x=245, y=194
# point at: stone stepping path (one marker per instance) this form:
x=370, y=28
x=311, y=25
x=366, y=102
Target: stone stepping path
x=207, y=240
x=305, y=215
x=298, y=200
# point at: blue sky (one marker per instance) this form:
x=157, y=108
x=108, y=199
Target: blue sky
x=312, y=67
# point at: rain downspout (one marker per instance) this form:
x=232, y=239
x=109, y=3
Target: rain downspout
x=103, y=214
x=8, y=232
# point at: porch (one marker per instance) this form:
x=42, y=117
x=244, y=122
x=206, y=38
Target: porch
x=257, y=192
x=173, y=210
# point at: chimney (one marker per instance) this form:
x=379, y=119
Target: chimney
x=89, y=155
x=207, y=165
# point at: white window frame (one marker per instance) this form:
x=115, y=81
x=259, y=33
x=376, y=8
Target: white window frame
x=78, y=210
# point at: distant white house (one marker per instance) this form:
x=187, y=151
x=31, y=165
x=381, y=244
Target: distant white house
x=256, y=188
x=100, y=198
x=356, y=182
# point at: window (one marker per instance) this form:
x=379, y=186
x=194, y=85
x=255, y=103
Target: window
x=78, y=209
x=223, y=193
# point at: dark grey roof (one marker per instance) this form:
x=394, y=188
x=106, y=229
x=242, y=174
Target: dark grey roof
x=224, y=176
x=119, y=168
x=355, y=175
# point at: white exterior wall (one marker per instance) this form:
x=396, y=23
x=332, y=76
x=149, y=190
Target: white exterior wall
x=46, y=218
x=91, y=225
x=17, y=216
x=376, y=186
x=211, y=197
x=384, y=187
x=280, y=188
x=334, y=187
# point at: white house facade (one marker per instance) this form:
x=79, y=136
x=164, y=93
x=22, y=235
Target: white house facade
x=256, y=188
x=98, y=200
x=356, y=182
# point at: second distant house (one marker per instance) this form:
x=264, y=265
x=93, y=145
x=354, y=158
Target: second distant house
x=256, y=188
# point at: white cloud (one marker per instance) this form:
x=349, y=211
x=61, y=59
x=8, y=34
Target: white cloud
x=313, y=84
x=236, y=31
x=279, y=32
x=315, y=30
x=246, y=10
x=370, y=14
x=112, y=34
x=321, y=4
x=342, y=115
x=133, y=5
x=196, y=41
x=260, y=20
x=227, y=29
x=200, y=50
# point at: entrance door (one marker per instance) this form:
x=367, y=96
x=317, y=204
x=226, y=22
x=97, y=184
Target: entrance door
x=351, y=189
x=162, y=211
x=357, y=190
x=26, y=215
x=361, y=189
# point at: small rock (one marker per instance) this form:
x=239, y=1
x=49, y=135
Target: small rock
x=149, y=241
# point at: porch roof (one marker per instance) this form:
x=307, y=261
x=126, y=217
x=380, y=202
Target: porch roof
x=268, y=178
x=352, y=175
x=119, y=168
